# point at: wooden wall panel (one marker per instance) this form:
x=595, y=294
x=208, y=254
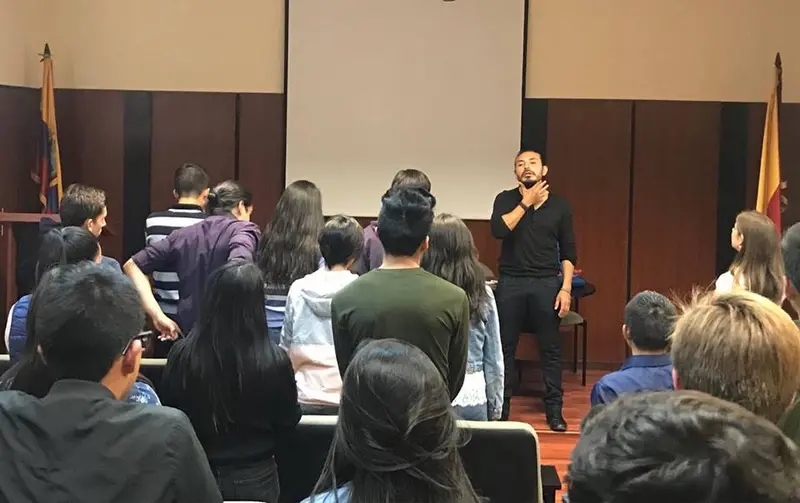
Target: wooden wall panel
x=676, y=156
x=588, y=154
x=262, y=140
x=191, y=127
x=19, y=129
x=755, y=134
x=91, y=141
x=790, y=160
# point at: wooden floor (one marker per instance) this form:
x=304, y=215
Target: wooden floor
x=555, y=447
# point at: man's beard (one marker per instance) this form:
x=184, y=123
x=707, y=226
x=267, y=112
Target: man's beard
x=528, y=182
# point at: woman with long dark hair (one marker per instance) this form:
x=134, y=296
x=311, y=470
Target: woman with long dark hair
x=452, y=256
x=194, y=252
x=236, y=386
x=758, y=264
x=288, y=249
x=396, y=440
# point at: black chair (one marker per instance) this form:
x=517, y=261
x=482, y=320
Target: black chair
x=152, y=369
x=501, y=458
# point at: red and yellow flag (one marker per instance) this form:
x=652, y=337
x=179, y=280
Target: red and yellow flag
x=47, y=171
x=769, y=178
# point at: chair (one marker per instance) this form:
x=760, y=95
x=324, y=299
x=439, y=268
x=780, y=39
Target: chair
x=501, y=458
x=576, y=321
x=153, y=368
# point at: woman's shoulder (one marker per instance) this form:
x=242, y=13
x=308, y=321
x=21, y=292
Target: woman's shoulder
x=724, y=282
x=340, y=495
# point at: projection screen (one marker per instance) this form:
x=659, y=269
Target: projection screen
x=375, y=86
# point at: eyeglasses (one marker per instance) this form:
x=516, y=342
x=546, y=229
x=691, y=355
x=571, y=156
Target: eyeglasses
x=142, y=337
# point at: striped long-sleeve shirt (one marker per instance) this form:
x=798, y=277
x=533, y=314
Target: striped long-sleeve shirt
x=160, y=225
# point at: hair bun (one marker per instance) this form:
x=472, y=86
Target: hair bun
x=212, y=197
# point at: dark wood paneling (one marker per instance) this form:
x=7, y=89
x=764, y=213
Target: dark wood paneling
x=138, y=125
x=190, y=127
x=756, y=113
x=790, y=160
x=19, y=128
x=91, y=140
x=262, y=139
x=732, y=177
x=676, y=156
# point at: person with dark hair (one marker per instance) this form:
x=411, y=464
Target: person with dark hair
x=236, y=386
x=194, y=252
x=91, y=445
x=84, y=206
x=372, y=257
x=452, y=256
x=400, y=300
x=790, y=246
x=398, y=450
x=307, y=333
x=649, y=318
x=288, y=249
x=191, y=192
x=66, y=245
x=537, y=261
x=687, y=447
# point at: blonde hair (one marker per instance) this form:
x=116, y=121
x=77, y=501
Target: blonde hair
x=740, y=347
x=758, y=265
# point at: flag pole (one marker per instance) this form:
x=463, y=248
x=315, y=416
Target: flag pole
x=779, y=80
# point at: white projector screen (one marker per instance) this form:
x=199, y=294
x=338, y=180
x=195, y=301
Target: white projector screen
x=375, y=86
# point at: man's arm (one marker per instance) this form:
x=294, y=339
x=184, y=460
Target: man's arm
x=459, y=346
x=505, y=217
x=602, y=394
x=342, y=339
x=193, y=480
x=567, y=249
x=243, y=243
x=154, y=257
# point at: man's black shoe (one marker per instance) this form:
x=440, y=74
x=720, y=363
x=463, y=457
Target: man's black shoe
x=556, y=421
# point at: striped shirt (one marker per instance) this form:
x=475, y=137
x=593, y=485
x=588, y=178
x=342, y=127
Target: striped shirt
x=160, y=225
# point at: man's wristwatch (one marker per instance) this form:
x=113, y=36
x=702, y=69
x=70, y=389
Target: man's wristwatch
x=523, y=206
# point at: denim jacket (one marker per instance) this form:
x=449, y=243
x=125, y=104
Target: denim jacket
x=486, y=354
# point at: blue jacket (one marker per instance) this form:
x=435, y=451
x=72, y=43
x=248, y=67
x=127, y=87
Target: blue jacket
x=15, y=327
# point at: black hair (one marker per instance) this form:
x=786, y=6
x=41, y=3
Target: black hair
x=190, y=180
x=451, y=255
x=405, y=220
x=682, y=446
x=411, y=178
x=81, y=203
x=341, y=240
x=228, y=359
x=532, y=150
x=288, y=249
x=82, y=316
x=226, y=196
x=396, y=438
x=791, y=254
x=65, y=245
x=650, y=318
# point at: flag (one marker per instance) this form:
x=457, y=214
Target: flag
x=47, y=172
x=769, y=178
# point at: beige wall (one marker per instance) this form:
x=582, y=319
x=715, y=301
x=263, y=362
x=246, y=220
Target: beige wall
x=21, y=39
x=716, y=50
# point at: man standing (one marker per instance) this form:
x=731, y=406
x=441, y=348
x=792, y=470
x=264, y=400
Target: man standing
x=537, y=260
x=84, y=206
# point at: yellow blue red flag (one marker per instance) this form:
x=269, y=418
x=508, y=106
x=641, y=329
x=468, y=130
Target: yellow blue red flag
x=47, y=172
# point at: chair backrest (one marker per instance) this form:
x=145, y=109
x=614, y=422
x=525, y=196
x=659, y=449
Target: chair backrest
x=5, y=363
x=501, y=458
x=153, y=368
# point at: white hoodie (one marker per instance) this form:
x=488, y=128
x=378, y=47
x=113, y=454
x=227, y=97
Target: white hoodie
x=307, y=335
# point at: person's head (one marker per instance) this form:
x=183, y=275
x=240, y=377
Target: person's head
x=396, y=438
x=529, y=167
x=411, y=178
x=191, y=184
x=84, y=206
x=230, y=198
x=288, y=249
x=405, y=220
x=791, y=261
x=758, y=265
x=649, y=318
x=229, y=348
x=341, y=241
x=451, y=255
x=86, y=325
x=686, y=447
x=66, y=245
x=740, y=347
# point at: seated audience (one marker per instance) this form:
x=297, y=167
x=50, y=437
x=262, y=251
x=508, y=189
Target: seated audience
x=194, y=252
x=394, y=450
x=84, y=206
x=64, y=245
x=757, y=266
x=452, y=256
x=191, y=192
x=649, y=318
x=307, y=334
x=740, y=347
x=372, y=257
x=685, y=447
x=81, y=442
x=288, y=249
x=791, y=261
x=400, y=300
x=236, y=386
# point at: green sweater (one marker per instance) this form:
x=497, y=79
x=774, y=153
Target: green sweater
x=407, y=304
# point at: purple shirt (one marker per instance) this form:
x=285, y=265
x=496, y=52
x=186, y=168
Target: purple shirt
x=194, y=253
x=372, y=256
